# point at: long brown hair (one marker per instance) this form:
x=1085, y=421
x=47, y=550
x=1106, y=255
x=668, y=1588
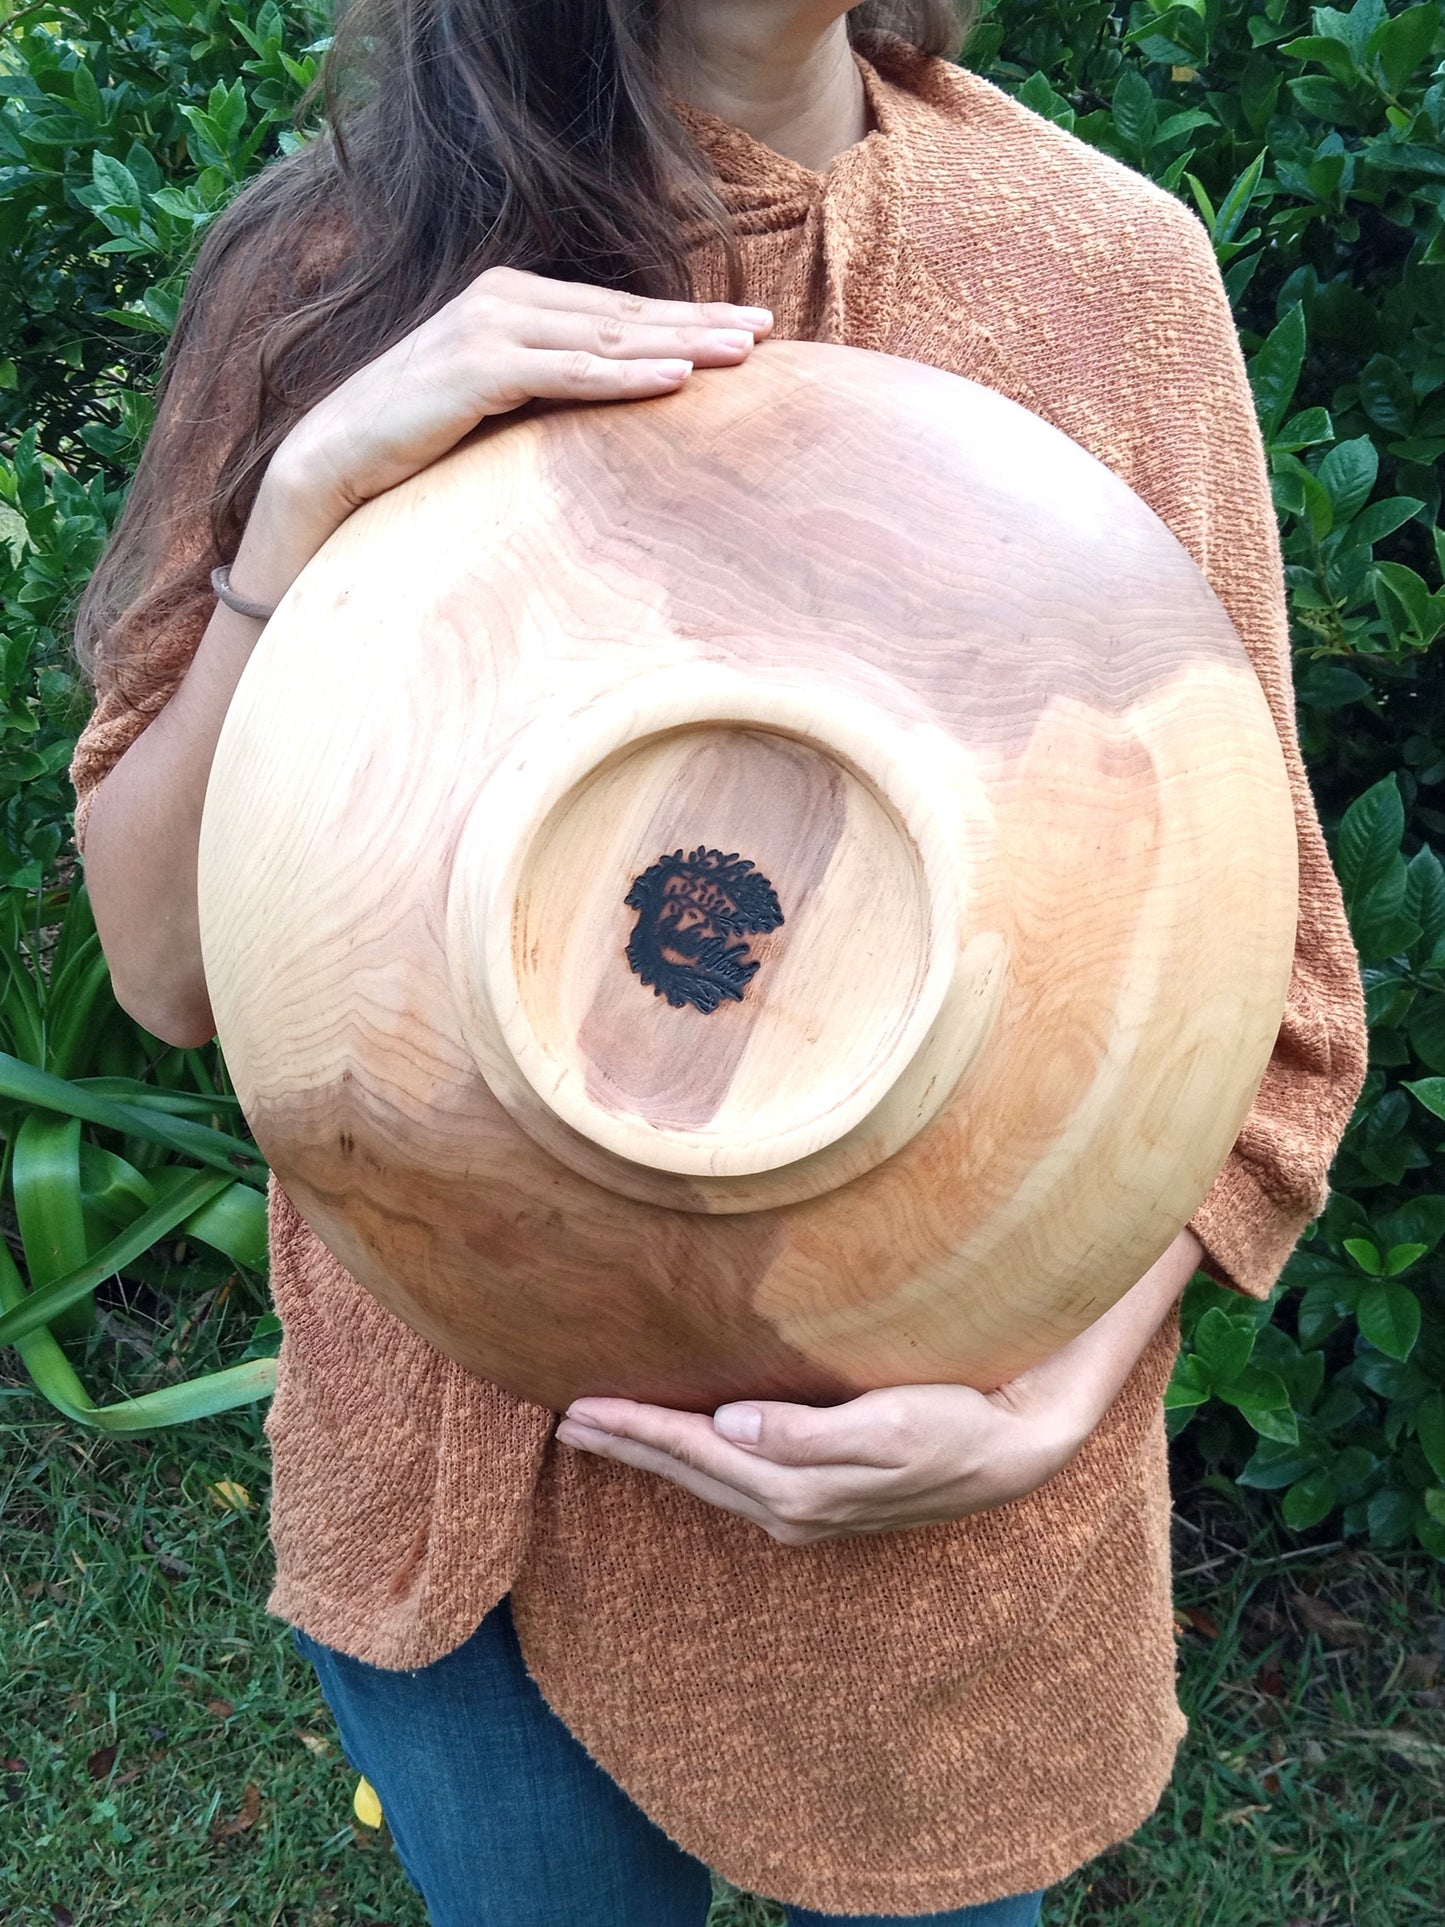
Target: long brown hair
x=457, y=134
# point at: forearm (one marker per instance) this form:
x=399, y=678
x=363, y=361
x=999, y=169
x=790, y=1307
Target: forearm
x=143, y=828
x=1085, y=1376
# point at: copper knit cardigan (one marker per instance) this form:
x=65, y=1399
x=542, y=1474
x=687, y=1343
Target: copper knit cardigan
x=914, y=1721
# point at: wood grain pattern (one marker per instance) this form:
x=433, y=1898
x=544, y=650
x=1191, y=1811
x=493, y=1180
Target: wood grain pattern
x=972, y=724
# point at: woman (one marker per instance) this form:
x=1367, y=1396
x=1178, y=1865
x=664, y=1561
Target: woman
x=910, y=1656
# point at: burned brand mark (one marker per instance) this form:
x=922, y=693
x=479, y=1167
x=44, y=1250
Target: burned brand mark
x=690, y=909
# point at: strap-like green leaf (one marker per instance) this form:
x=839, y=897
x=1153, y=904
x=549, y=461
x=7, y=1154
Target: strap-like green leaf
x=52, y=1295
x=23, y=1083
x=21, y=1022
x=55, y=1379
x=45, y=1181
x=232, y=1222
x=131, y=1090
x=79, y=1001
x=112, y=1187
x=45, y=1186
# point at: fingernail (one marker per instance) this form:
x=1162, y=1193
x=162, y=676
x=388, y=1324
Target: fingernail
x=575, y=1432
x=743, y=1423
x=733, y=337
x=756, y=317
x=674, y=370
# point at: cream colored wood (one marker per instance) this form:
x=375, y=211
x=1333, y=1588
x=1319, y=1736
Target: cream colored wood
x=846, y=990
x=946, y=684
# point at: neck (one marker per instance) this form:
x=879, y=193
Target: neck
x=782, y=72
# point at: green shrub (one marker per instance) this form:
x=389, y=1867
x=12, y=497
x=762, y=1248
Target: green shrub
x=122, y=130
x=1309, y=140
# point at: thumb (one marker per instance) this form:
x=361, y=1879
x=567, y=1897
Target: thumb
x=856, y=1433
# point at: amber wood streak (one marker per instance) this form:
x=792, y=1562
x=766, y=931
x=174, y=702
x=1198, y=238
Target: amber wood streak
x=776, y=890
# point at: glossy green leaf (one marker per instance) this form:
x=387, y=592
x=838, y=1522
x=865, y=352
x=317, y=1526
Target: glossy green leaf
x=1417, y=1220
x=1274, y=372
x=1188, y=1386
x=1400, y=45
x=1274, y=1465
x=1391, y=1515
x=1386, y=395
x=1389, y=1316
x=1366, y=1255
x=1263, y=1399
x=1348, y=474
x=1405, y=600
x=1136, y=112
x=1355, y=26
x=1430, y=1428
x=1382, y=518
x=1223, y=1344
x=1235, y=205
x=1308, y=1502
x=1306, y=430
x=1401, y=1257
x=1332, y=54
x=1430, y=1091
x=1370, y=835
x=1425, y=901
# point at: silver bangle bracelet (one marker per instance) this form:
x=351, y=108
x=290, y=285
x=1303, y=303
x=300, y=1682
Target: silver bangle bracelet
x=221, y=583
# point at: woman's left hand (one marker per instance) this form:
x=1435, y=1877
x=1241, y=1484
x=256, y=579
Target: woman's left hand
x=909, y=1456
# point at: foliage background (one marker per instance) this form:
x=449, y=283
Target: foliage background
x=1309, y=141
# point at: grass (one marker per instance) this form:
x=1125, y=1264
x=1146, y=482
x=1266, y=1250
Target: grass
x=168, y=1762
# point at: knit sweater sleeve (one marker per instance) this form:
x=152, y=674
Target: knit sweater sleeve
x=1276, y=1178
x=147, y=616
x=116, y=719
x=148, y=631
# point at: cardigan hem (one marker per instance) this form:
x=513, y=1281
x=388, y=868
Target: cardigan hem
x=973, y=1885
x=328, y=1621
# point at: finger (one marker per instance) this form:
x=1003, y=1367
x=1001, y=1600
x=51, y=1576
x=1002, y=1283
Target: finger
x=875, y=1431
x=571, y=374
x=610, y=335
x=809, y=1499
x=647, y=1458
x=580, y=297
x=688, y=1437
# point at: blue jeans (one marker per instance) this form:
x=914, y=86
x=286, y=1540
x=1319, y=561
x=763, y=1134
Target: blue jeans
x=502, y=1819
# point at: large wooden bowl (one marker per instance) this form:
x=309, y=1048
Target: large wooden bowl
x=777, y=890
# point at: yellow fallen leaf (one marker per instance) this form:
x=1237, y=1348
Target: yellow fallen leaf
x=314, y=1743
x=365, y=1805
x=227, y=1493
x=1184, y=73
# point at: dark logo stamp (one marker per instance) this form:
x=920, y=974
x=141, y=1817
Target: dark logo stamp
x=690, y=909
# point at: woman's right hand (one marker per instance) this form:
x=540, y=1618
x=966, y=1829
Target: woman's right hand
x=508, y=338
